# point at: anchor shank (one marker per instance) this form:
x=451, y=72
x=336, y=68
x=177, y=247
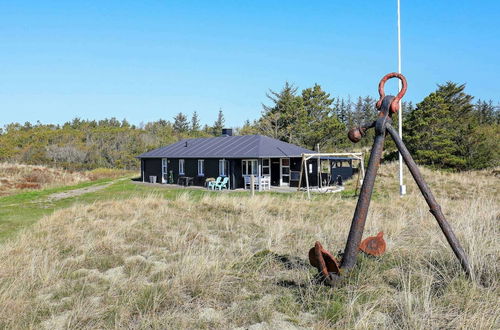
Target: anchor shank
x=359, y=218
x=435, y=209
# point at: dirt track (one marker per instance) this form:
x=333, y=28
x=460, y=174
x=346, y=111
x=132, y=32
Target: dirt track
x=77, y=192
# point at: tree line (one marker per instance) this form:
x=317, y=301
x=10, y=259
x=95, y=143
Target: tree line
x=445, y=130
x=87, y=144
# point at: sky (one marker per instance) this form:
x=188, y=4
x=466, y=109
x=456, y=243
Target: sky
x=146, y=60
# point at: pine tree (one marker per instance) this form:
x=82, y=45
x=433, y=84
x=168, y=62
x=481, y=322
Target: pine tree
x=438, y=131
x=195, y=122
x=125, y=123
x=181, y=124
x=218, y=124
x=321, y=125
x=282, y=119
x=207, y=129
x=368, y=109
x=486, y=112
x=248, y=128
x=349, y=113
x=358, y=113
x=343, y=112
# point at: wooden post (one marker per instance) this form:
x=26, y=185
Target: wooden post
x=252, y=184
x=318, y=167
x=319, y=171
x=301, y=171
x=357, y=182
x=259, y=173
x=307, y=179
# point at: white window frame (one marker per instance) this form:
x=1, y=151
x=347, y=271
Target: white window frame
x=181, y=167
x=201, y=169
x=223, y=164
x=164, y=170
x=268, y=166
x=244, y=167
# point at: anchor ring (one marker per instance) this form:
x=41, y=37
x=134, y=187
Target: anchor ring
x=395, y=102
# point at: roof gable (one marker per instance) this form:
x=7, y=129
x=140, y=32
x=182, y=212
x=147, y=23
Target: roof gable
x=245, y=146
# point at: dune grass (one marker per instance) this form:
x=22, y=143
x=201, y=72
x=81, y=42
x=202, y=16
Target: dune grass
x=126, y=257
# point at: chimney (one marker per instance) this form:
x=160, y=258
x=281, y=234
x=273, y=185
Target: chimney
x=227, y=132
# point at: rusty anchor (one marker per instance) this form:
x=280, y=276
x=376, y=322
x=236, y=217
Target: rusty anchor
x=321, y=258
x=324, y=261
x=373, y=245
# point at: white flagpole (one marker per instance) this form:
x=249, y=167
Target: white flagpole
x=402, y=187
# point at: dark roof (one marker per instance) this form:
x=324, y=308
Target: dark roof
x=245, y=146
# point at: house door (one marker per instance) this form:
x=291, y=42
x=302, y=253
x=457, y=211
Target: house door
x=275, y=172
x=285, y=171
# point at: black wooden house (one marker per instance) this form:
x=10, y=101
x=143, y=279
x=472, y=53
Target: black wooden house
x=230, y=156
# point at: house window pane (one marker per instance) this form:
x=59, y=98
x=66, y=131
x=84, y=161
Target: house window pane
x=222, y=167
x=201, y=169
x=255, y=167
x=181, y=166
x=266, y=166
x=285, y=161
x=249, y=167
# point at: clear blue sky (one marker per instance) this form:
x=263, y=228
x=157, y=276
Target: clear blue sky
x=145, y=60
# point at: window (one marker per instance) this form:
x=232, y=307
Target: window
x=222, y=167
x=164, y=172
x=201, y=167
x=181, y=166
x=249, y=167
x=285, y=171
x=266, y=166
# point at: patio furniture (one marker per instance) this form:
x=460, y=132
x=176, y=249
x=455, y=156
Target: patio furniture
x=186, y=179
x=213, y=184
x=222, y=184
x=260, y=183
x=247, y=180
x=264, y=183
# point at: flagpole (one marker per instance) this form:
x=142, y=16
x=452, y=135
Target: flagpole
x=402, y=187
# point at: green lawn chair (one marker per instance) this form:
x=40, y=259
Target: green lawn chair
x=222, y=184
x=213, y=184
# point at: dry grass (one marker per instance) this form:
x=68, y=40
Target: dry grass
x=17, y=177
x=226, y=261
